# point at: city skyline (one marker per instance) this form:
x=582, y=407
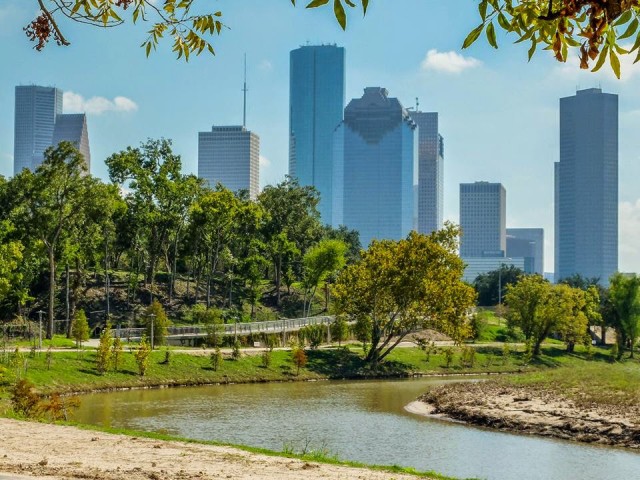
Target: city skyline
x=489, y=125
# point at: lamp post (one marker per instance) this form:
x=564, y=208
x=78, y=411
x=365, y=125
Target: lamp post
x=152, y=316
x=40, y=313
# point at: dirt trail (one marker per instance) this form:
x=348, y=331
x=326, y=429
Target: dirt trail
x=44, y=451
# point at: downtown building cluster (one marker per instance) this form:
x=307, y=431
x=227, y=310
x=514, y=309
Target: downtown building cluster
x=379, y=167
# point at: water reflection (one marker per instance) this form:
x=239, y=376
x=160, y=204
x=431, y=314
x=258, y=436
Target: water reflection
x=362, y=421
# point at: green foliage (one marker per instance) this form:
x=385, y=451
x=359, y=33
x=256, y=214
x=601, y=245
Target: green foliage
x=104, y=352
x=142, y=355
x=313, y=334
x=539, y=308
x=339, y=330
x=116, y=353
x=214, y=325
x=216, y=359
x=624, y=294
x=594, y=28
x=167, y=357
x=468, y=357
x=491, y=286
x=266, y=358
x=615, y=352
x=235, y=350
x=321, y=261
x=156, y=316
x=80, y=328
x=189, y=28
x=448, y=356
x=402, y=286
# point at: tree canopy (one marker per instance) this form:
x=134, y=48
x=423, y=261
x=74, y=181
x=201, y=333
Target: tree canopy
x=398, y=287
x=596, y=29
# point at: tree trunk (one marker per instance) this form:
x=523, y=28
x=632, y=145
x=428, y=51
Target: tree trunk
x=52, y=291
x=603, y=335
x=67, y=303
x=278, y=280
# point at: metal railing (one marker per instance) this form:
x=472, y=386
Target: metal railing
x=251, y=328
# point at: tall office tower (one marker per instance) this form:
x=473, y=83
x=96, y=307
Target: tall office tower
x=36, y=109
x=316, y=97
x=430, y=172
x=72, y=127
x=483, y=215
x=377, y=168
x=586, y=186
x=529, y=244
x=231, y=156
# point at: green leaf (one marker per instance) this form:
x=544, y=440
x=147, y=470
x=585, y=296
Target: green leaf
x=491, y=35
x=473, y=36
x=365, y=5
x=601, y=59
x=503, y=22
x=615, y=63
x=317, y=3
x=341, y=16
x=482, y=8
x=631, y=29
x=622, y=19
x=532, y=50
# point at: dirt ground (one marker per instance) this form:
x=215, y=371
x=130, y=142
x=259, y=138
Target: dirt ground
x=518, y=409
x=43, y=451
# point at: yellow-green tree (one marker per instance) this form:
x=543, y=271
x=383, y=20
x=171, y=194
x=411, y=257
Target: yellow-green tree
x=568, y=305
x=397, y=287
x=156, y=316
x=80, y=328
x=624, y=294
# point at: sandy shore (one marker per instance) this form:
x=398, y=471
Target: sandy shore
x=44, y=451
x=518, y=409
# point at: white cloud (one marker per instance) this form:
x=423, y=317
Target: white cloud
x=629, y=249
x=265, y=65
x=448, y=62
x=75, y=103
x=264, y=162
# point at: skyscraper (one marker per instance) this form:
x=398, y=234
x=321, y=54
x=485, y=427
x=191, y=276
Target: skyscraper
x=36, y=110
x=430, y=172
x=230, y=155
x=376, y=169
x=529, y=244
x=72, y=127
x=316, y=96
x=483, y=212
x=586, y=186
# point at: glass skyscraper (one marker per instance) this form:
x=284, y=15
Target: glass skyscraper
x=36, y=109
x=72, y=127
x=430, y=172
x=231, y=156
x=316, y=96
x=376, y=167
x=483, y=220
x=529, y=244
x=586, y=186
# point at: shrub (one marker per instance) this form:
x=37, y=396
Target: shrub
x=506, y=351
x=266, y=358
x=448, y=356
x=24, y=400
x=103, y=354
x=468, y=357
x=313, y=334
x=339, y=330
x=216, y=359
x=116, y=352
x=80, y=328
x=167, y=357
x=235, y=350
x=299, y=358
x=142, y=356
x=156, y=316
x=615, y=352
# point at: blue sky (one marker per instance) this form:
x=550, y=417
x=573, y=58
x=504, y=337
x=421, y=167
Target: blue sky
x=498, y=113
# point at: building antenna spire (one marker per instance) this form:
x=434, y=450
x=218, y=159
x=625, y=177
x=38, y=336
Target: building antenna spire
x=244, y=90
x=417, y=104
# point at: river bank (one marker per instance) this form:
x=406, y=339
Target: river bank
x=53, y=451
x=568, y=413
